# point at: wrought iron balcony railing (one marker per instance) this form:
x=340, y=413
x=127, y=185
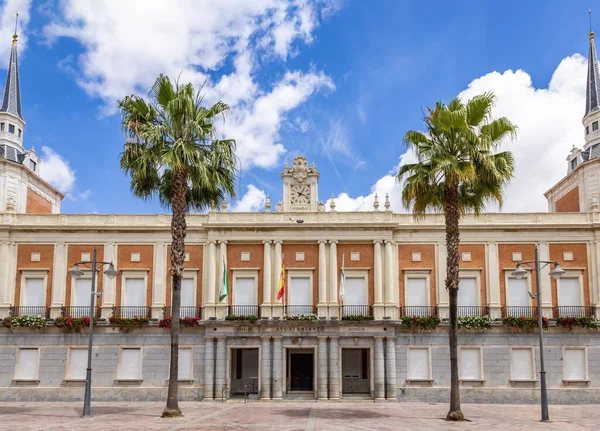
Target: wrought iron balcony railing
x=472, y=310
x=293, y=310
x=356, y=310
x=131, y=311
x=79, y=311
x=573, y=311
x=184, y=311
x=419, y=310
x=29, y=310
x=519, y=311
x=242, y=310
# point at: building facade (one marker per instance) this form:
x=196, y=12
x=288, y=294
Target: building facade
x=320, y=340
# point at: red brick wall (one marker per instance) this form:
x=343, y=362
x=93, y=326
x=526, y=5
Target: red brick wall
x=579, y=261
x=366, y=261
x=146, y=261
x=234, y=254
x=195, y=252
x=477, y=261
x=311, y=260
x=74, y=255
x=569, y=202
x=505, y=252
x=427, y=262
x=24, y=262
x=37, y=204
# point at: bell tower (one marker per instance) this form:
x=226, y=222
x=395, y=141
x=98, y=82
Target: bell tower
x=300, y=186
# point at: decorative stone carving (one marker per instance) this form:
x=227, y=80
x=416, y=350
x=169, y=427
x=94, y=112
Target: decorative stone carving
x=388, y=205
x=300, y=186
x=279, y=207
x=268, y=204
x=224, y=205
x=332, y=203
x=376, y=203
x=321, y=206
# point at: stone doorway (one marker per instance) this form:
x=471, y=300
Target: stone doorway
x=244, y=371
x=355, y=371
x=300, y=370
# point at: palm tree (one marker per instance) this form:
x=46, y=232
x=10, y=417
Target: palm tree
x=173, y=153
x=457, y=173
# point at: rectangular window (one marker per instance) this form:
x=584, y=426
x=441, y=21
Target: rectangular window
x=351, y=363
x=2, y=127
x=11, y=129
x=418, y=364
x=245, y=291
x=188, y=299
x=522, y=364
x=356, y=292
x=135, y=292
x=32, y=165
x=83, y=290
x=587, y=130
x=416, y=292
x=185, y=364
x=568, y=292
x=34, y=293
x=28, y=366
x=575, y=364
x=467, y=292
x=594, y=126
x=516, y=297
x=470, y=364
x=131, y=364
x=77, y=364
x=20, y=133
x=574, y=163
x=299, y=293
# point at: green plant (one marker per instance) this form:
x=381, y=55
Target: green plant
x=73, y=323
x=523, y=322
x=357, y=317
x=584, y=322
x=187, y=322
x=297, y=317
x=251, y=317
x=126, y=324
x=36, y=322
x=421, y=322
x=474, y=322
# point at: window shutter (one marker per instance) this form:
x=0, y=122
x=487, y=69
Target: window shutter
x=416, y=292
x=470, y=364
x=299, y=293
x=356, y=293
x=34, y=292
x=516, y=295
x=77, y=364
x=521, y=364
x=184, y=360
x=467, y=292
x=245, y=291
x=574, y=364
x=135, y=294
x=28, y=364
x=418, y=364
x=131, y=363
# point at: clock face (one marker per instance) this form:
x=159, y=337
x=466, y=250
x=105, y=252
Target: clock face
x=300, y=194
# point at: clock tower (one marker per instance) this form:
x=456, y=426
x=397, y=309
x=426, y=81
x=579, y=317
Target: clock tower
x=300, y=187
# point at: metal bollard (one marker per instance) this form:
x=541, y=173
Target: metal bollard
x=223, y=392
x=246, y=393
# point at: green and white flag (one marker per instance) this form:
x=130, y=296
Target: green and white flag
x=224, y=290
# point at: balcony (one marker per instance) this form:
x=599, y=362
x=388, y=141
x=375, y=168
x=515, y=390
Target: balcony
x=79, y=311
x=472, y=310
x=294, y=310
x=419, y=310
x=572, y=311
x=29, y=310
x=356, y=310
x=130, y=312
x=242, y=310
x=519, y=311
x=184, y=311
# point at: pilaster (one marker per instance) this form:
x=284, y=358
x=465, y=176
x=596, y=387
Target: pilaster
x=595, y=285
x=109, y=287
x=379, y=364
x=277, y=305
x=221, y=365
x=322, y=368
x=159, y=288
x=378, y=306
x=390, y=368
x=544, y=253
x=211, y=280
x=221, y=307
x=493, y=280
x=209, y=368
x=8, y=264
x=59, y=279
x=322, y=305
x=334, y=368
x=334, y=309
x=440, y=276
x=390, y=303
x=265, y=308
x=277, y=368
x=265, y=368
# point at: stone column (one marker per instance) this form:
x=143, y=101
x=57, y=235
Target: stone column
x=322, y=306
x=322, y=368
x=545, y=283
x=209, y=368
x=277, y=307
x=389, y=278
x=109, y=287
x=277, y=368
x=7, y=278
x=378, y=308
x=333, y=280
x=390, y=368
x=493, y=279
x=379, y=364
x=221, y=307
x=265, y=364
x=221, y=366
x=396, y=284
x=265, y=308
x=159, y=289
x=59, y=279
x=595, y=285
x=334, y=368
x=440, y=276
x=211, y=281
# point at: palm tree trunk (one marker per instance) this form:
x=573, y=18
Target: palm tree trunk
x=452, y=281
x=178, y=232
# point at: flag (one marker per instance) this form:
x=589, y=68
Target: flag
x=342, y=283
x=224, y=290
x=281, y=288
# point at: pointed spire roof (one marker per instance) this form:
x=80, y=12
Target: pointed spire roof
x=592, y=89
x=11, y=102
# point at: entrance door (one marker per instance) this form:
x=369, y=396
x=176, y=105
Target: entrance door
x=301, y=371
x=355, y=371
x=244, y=371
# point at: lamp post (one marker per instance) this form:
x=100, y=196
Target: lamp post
x=75, y=272
x=556, y=273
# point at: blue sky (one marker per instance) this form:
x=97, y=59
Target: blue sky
x=337, y=81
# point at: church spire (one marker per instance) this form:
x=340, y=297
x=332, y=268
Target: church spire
x=592, y=89
x=11, y=102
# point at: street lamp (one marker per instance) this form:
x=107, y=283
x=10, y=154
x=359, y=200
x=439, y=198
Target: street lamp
x=556, y=273
x=75, y=272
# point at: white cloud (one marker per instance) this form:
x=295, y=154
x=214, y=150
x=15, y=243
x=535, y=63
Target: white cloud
x=126, y=46
x=7, y=27
x=253, y=200
x=549, y=121
x=56, y=170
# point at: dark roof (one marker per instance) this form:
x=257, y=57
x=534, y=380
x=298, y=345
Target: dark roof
x=12, y=91
x=592, y=89
x=11, y=153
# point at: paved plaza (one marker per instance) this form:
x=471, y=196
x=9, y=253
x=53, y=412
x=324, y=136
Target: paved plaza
x=288, y=416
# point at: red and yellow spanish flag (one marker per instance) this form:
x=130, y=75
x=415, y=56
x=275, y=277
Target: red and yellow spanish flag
x=281, y=288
